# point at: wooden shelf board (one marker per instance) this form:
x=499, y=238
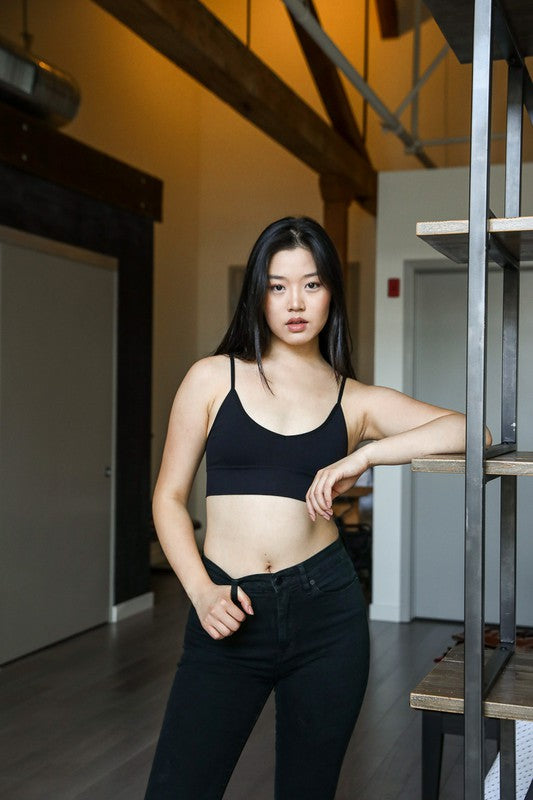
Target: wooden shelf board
x=510, y=698
x=450, y=237
x=519, y=463
x=455, y=19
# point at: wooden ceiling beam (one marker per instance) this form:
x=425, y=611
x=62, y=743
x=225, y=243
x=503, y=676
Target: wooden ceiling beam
x=196, y=41
x=33, y=146
x=330, y=87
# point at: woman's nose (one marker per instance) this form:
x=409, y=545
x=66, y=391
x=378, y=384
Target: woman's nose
x=296, y=301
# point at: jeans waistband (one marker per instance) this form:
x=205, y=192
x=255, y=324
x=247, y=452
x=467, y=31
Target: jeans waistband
x=333, y=553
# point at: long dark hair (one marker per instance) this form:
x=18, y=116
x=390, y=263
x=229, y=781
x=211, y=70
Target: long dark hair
x=248, y=336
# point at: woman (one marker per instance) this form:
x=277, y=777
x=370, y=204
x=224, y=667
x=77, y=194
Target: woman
x=276, y=604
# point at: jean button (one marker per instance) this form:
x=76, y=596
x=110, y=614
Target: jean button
x=278, y=581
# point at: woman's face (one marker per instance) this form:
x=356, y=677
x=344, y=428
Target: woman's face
x=297, y=303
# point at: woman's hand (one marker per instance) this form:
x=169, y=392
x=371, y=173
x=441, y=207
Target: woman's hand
x=332, y=481
x=218, y=615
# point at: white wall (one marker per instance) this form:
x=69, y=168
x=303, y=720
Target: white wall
x=406, y=198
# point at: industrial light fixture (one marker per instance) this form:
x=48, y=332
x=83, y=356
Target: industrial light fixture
x=34, y=85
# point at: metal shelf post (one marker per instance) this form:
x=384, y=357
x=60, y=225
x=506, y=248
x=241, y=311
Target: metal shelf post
x=475, y=402
x=511, y=297
x=477, y=678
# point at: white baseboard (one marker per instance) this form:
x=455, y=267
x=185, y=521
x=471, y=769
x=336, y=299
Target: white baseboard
x=387, y=613
x=133, y=606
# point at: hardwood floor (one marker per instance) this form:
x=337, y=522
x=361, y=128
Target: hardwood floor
x=79, y=720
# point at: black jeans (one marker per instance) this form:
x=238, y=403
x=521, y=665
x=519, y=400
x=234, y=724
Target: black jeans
x=307, y=640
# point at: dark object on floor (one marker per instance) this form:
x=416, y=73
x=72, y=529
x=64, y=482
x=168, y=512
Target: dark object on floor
x=524, y=637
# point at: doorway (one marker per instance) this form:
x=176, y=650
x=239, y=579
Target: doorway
x=57, y=377
x=438, y=376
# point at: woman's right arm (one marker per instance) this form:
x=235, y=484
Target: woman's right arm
x=184, y=447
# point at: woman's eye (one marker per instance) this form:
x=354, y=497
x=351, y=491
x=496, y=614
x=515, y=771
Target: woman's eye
x=313, y=285
x=276, y=287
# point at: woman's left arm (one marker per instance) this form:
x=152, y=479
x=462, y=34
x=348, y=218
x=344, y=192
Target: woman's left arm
x=398, y=429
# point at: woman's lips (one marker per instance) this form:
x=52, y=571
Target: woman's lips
x=297, y=325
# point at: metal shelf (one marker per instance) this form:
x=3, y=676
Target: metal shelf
x=450, y=237
x=510, y=698
x=480, y=31
x=518, y=463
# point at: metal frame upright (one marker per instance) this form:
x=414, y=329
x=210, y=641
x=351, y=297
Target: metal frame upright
x=490, y=23
x=480, y=38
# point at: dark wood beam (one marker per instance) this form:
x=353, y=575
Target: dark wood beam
x=330, y=87
x=388, y=18
x=336, y=198
x=34, y=147
x=195, y=40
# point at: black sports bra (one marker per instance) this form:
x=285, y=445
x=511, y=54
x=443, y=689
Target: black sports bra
x=243, y=457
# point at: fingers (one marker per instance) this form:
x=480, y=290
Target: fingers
x=332, y=481
x=223, y=617
x=320, y=494
x=245, y=601
x=327, y=485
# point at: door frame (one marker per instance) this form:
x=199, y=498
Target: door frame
x=411, y=267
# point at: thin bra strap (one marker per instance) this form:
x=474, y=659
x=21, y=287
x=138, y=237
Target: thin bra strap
x=232, y=362
x=341, y=390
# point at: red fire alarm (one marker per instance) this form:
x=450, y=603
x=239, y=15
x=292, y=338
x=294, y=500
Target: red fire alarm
x=393, y=287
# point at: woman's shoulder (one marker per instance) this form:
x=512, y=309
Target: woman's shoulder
x=204, y=383
x=353, y=387
x=209, y=367
x=207, y=376
x=377, y=403
x=366, y=394
x=207, y=373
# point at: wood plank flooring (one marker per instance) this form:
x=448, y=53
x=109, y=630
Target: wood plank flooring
x=79, y=720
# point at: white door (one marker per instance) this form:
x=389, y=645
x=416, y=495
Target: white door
x=438, y=500
x=56, y=417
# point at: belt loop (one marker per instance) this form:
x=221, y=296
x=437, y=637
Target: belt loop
x=303, y=576
x=234, y=596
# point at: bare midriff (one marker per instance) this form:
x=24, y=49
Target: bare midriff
x=250, y=534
